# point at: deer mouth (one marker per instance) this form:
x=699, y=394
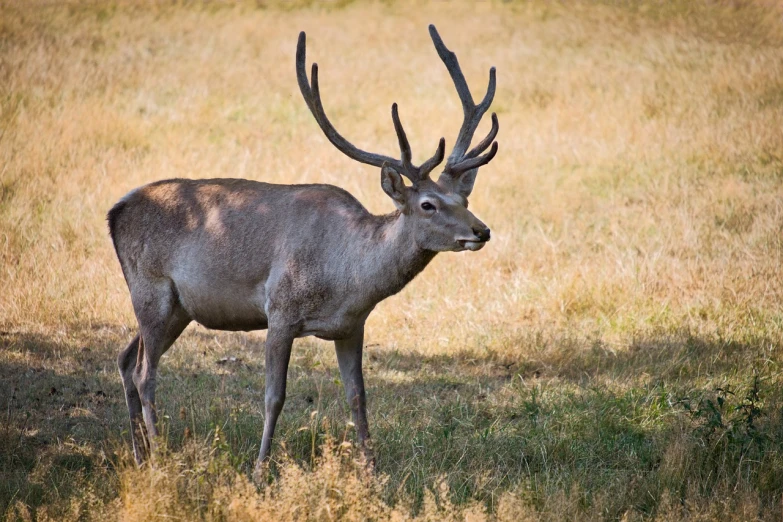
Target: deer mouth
x=472, y=245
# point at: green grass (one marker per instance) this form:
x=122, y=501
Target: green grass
x=674, y=413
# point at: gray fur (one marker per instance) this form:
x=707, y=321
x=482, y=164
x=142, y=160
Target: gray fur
x=298, y=260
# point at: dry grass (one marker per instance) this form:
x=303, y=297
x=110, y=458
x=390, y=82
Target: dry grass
x=576, y=368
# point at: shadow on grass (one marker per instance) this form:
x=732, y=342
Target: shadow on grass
x=668, y=412
x=540, y=414
x=60, y=405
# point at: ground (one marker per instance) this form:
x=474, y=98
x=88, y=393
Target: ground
x=613, y=353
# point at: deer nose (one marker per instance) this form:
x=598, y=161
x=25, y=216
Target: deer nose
x=482, y=233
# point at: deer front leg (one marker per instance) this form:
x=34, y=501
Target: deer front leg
x=278, y=353
x=349, y=358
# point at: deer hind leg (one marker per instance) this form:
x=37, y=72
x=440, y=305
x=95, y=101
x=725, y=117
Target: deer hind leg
x=161, y=321
x=126, y=362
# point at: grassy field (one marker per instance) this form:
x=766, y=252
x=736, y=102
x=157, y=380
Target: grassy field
x=613, y=354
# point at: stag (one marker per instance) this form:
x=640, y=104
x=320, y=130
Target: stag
x=297, y=260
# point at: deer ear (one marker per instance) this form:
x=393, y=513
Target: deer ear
x=393, y=186
x=461, y=184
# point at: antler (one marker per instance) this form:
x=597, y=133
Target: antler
x=312, y=96
x=459, y=161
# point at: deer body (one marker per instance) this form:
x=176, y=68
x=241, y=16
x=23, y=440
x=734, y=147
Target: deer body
x=297, y=260
x=253, y=255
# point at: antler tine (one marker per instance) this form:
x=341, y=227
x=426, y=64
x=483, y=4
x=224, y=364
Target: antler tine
x=312, y=97
x=472, y=112
x=411, y=171
x=452, y=64
x=472, y=160
x=435, y=160
x=405, y=147
x=474, y=163
x=483, y=144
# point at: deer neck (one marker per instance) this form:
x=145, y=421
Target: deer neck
x=391, y=258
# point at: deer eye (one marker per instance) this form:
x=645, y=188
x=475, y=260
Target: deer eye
x=427, y=206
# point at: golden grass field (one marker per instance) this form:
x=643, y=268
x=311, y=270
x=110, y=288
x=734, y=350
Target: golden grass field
x=613, y=354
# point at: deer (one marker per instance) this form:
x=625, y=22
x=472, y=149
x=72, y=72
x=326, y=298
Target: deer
x=297, y=260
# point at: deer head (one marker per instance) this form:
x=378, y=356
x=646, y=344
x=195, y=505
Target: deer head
x=437, y=211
